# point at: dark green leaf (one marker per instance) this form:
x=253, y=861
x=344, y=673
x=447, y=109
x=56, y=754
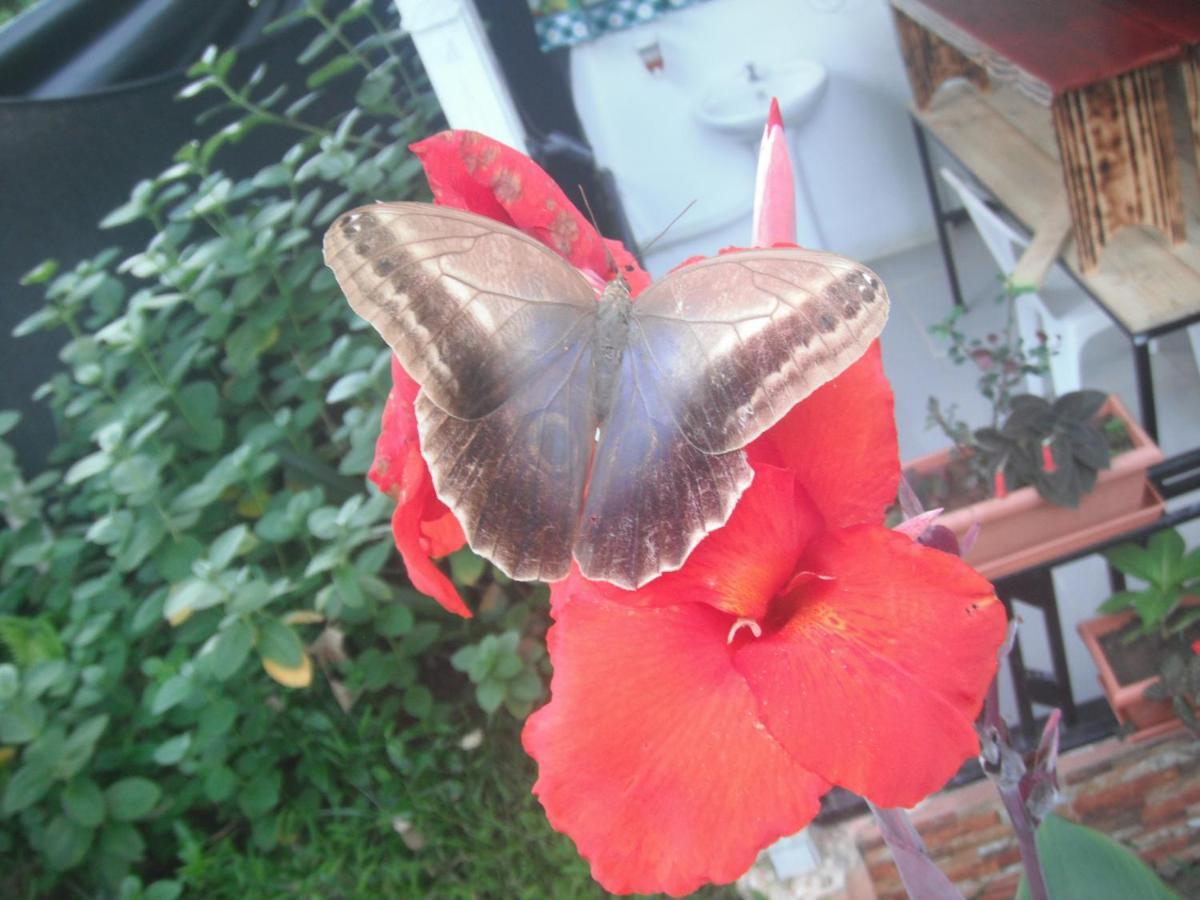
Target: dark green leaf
x=65, y=843
x=132, y=798
x=230, y=649
x=1082, y=864
x=21, y=721
x=83, y=802
x=26, y=787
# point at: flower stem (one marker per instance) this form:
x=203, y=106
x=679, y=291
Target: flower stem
x=922, y=878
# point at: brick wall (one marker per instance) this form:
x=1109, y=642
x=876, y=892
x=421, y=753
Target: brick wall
x=1147, y=796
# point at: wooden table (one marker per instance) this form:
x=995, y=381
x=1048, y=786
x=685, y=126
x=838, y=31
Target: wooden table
x=1100, y=67
x=1009, y=145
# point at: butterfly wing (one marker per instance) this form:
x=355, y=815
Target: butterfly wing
x=470, y=306
x=737, y=340
x=652, y=494
x=718, y=352
x=497, y=330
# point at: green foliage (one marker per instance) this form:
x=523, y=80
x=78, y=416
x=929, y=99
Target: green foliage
x=205, y=543
x=1170, y=572
x=1082, y=864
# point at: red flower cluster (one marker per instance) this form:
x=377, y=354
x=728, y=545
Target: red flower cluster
x=697, y=719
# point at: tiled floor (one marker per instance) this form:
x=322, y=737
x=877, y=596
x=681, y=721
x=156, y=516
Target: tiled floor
x=918, y=367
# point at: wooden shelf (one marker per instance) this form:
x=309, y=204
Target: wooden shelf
x=1008, y=143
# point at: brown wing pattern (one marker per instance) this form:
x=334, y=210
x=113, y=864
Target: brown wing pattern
x=514, y=478
x=737, y=340
x=471, y=307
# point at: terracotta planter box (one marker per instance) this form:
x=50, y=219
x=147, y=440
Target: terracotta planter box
x=1022, y=529
x=1150, y=718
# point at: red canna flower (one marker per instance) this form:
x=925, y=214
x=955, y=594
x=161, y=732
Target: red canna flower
x=469, y=171
x=422, y=525
x=694, y=721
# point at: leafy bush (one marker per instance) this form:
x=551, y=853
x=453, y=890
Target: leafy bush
x=205, y=543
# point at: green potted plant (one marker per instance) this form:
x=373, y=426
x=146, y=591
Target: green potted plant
x=1145, y=644
x=1046, y=475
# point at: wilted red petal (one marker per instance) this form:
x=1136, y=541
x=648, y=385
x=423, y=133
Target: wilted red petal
x=650, y=755
x=774, y=187
x=414, y=549
x=742, y=565
x=468, y=170
x=875, y=679
x=422, y=525
x=841, y=443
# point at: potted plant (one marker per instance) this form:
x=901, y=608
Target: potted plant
x=1145, y=646
x=1046, y=475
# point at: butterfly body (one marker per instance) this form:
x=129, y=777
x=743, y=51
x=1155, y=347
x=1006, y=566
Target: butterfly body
x=557, y=426
x=612, y=335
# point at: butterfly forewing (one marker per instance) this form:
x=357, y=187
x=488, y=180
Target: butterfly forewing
x=737, y=340
x=469, y=306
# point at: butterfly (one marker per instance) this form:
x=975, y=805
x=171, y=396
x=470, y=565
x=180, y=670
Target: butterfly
x=557, y=426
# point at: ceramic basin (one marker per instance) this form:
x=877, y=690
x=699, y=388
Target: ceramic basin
x=737, y=104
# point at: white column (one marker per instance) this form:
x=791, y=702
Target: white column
x=451, y=41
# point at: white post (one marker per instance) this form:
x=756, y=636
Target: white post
x=469, y=84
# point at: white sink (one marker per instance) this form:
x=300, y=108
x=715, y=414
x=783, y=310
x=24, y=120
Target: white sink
x=737, y=104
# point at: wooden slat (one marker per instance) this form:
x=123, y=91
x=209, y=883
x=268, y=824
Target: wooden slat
x=1049, y=236
x=1145, y=284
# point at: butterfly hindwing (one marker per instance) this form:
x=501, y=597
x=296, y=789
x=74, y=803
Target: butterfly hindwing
x=739, y=339
x=652, y=494
x=470, y=306
x=514, y=478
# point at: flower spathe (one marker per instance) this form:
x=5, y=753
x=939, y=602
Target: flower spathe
x=696, y=720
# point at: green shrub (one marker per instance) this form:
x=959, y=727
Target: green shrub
x=206, y=537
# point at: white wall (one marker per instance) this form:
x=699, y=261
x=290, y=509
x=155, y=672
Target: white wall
x=857, y=150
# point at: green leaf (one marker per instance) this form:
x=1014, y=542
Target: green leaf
x=40, y=273
x=10, y=683
x=25, y=788
x=418, y=701
x=1133, y=560
x=8, y=421
x=132, y=798
x=85, y=468
x=21, y=721
x=331, y=70
x=348, y=386
x=122, y=840
x=490, y=695
x=219, y=784
x=260, y=795
x=170, y=694
x=83, y=802
x=65, y=843
x=163, y=889
x=1082, y=864
x=394, y=619
x=229, y=650
x=78, y=748
x=280, y=644
x=172, y=750
x=227, y=546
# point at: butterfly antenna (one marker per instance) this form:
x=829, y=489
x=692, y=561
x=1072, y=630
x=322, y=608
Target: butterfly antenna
x=654, y=240
x=608, y=257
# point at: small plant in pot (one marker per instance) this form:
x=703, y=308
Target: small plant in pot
x=1045, y=475
x=1145, y=645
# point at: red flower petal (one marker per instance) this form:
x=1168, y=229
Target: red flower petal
x=841, y=443
x=468, y=170
x=741, y=566
x=415, y=549
x=422, y=525
x=875, y=679
x=650, y=755
x=774, y=187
